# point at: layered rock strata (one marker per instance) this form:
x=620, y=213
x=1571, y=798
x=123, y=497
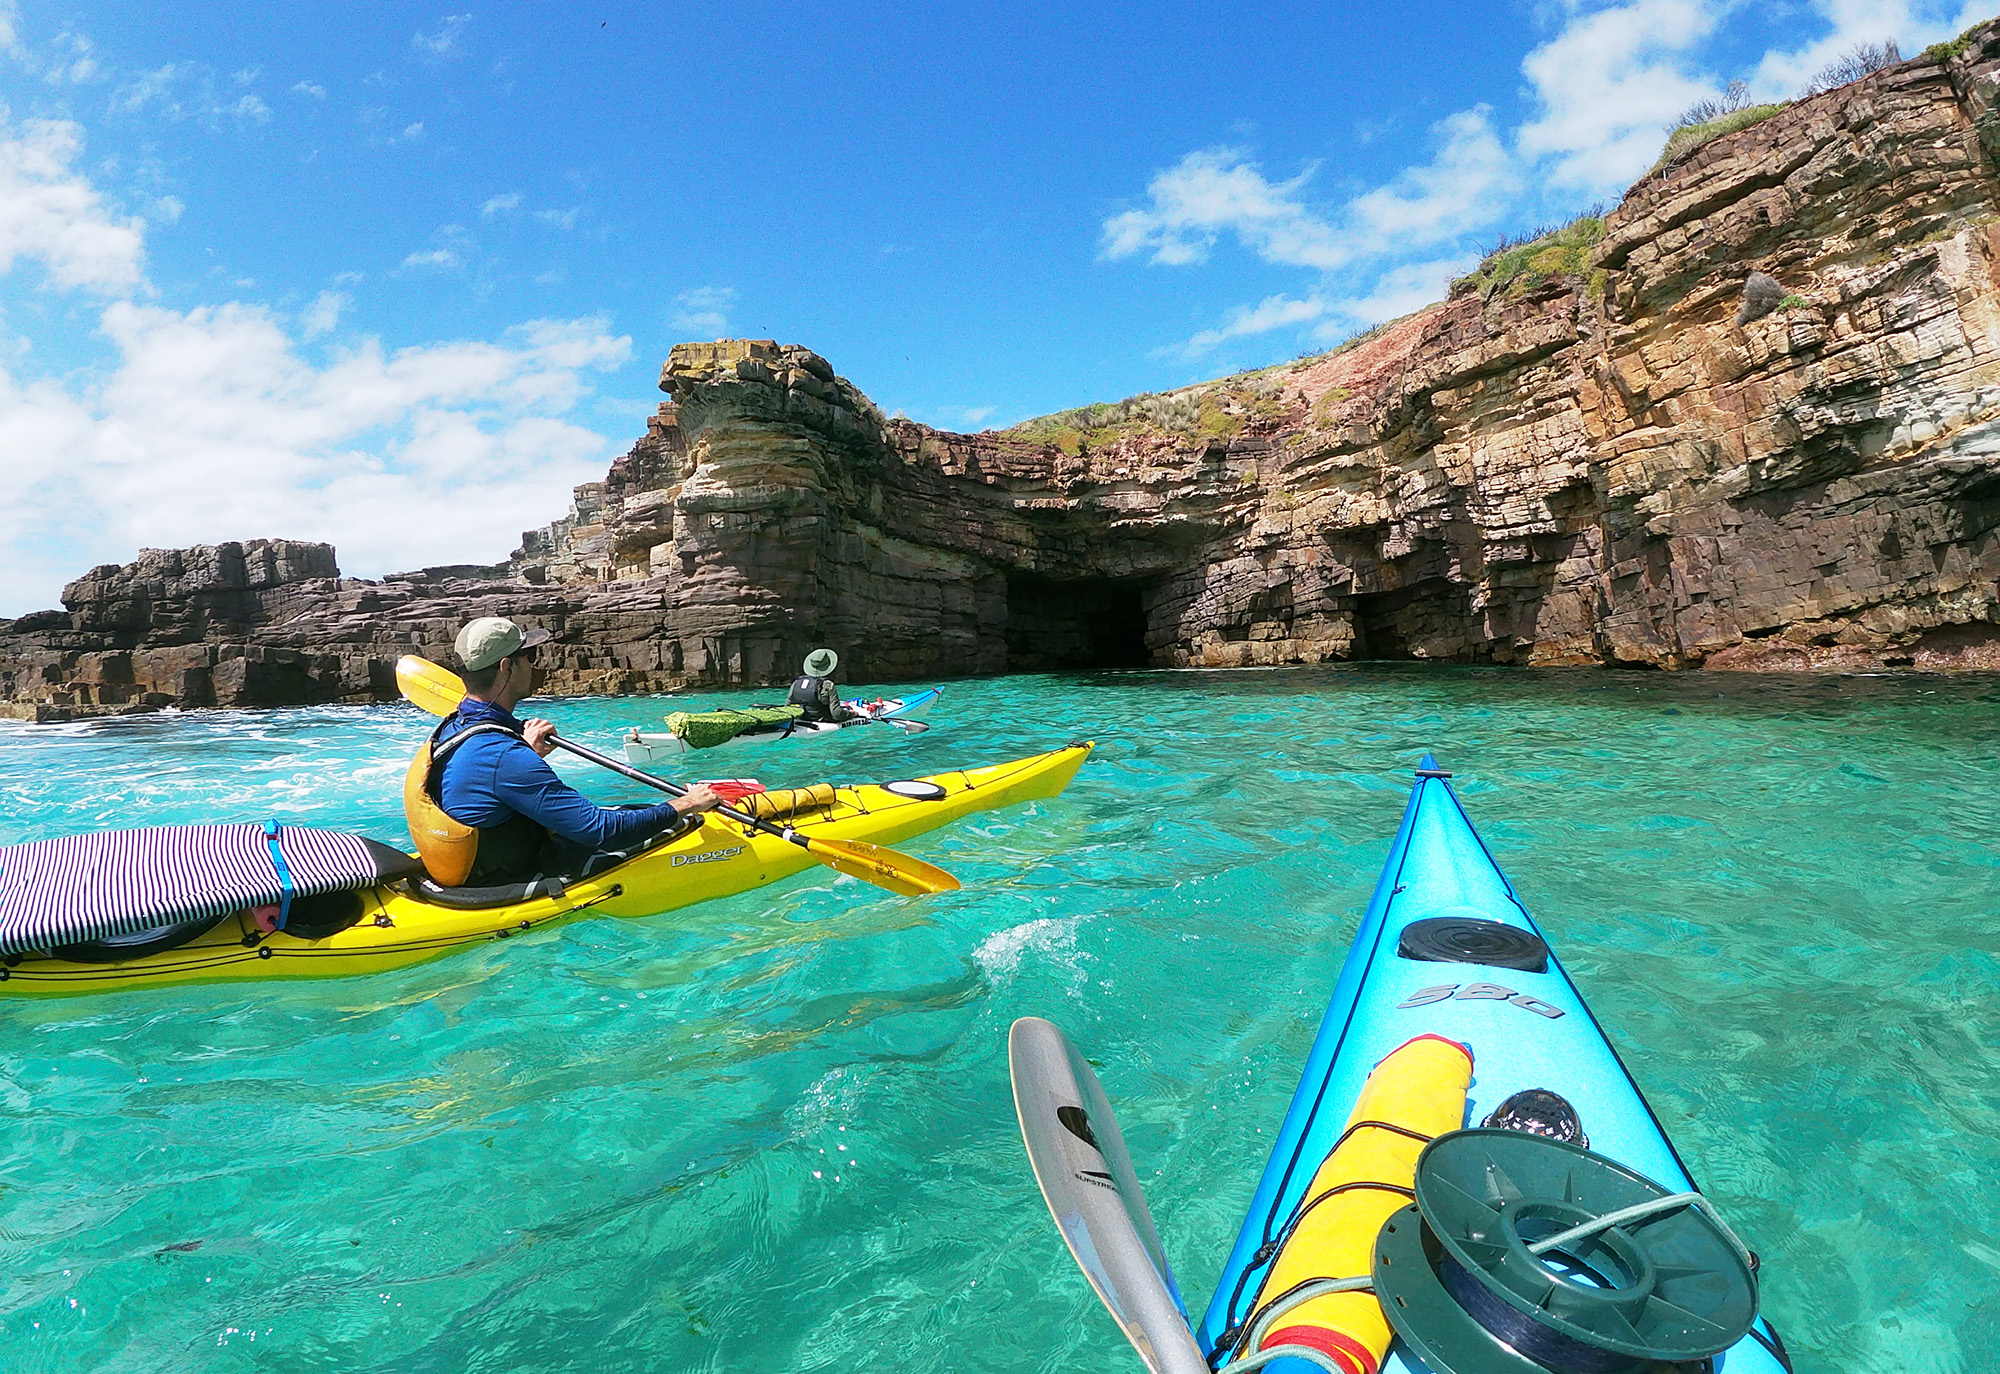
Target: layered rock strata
x=1653, y=462
x=272, y=623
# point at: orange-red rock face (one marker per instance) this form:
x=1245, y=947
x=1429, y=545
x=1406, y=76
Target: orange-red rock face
x=1625, y=467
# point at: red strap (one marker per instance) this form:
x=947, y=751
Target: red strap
x=1345, y=1351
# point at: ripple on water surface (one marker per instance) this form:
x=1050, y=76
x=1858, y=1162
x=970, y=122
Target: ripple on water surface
x=774, y=1133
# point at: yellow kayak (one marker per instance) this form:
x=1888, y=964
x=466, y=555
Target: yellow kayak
x=400, y=924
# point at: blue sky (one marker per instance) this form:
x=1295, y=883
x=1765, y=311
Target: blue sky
x=399, y=276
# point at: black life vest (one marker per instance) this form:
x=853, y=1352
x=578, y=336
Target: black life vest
x=806, y=695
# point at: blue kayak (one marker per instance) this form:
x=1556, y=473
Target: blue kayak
x=1446, y=950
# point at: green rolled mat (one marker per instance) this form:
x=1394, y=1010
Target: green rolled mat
x=706, y=729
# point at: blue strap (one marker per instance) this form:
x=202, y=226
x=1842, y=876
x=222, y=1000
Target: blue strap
x=284, y=873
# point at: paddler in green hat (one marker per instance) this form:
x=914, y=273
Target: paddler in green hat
x=814, y=692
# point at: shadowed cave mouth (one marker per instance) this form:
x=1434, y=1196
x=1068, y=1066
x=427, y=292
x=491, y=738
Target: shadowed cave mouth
x=1428, y=619
x=1085, y=623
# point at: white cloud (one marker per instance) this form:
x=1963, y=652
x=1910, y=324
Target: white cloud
x=246, y=76
x=436, y=47
x=450, y=247
x=182, y=91
x=212, y=427
x=1782, y=72
x=1216, y=190
x=211, y=424
x=1609, y=85
x=510, y=200
x=9, y=34
x=1470, y=183
x=1273, y=312
x=149, y=87
x=705, y=309
x=561, y=219
x=72, y=63
x=317, y=92
x=375, y=119
x=1467, y=186
x=51, y=213
x=978, y=414
x=1395, y=293
x=323, y=315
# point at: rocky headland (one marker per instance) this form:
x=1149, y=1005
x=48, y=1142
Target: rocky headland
x=1749, y=418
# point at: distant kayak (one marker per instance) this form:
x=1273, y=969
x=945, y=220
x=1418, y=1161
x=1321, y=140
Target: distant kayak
x=643, y=747
x=1385, y=1239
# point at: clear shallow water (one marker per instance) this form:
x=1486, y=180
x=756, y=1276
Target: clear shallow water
x=775, y=1133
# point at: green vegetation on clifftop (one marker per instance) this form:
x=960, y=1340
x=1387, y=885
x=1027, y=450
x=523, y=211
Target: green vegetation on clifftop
x=1683, y=142
x=1212, y=410
x=1944, y=52
x=1548, y=255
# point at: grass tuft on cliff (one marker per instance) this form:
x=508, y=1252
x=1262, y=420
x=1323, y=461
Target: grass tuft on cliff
x=1212, y=410
x=1708, y=120
x=1519, y=265
x=1178, y=412
x=1944, y=52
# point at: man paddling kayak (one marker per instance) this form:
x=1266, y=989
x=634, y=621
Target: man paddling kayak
x=814, y=692
x=491, y=774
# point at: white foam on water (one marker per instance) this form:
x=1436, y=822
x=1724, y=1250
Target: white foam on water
x=830, y=1100
x=1053, y=937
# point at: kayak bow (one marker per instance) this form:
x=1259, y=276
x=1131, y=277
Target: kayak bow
x=1447, y=956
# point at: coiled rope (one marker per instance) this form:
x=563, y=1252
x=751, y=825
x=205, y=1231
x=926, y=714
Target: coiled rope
x=1265, y=1318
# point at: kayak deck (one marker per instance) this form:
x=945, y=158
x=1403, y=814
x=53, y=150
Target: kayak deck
x=1525, y=1029
x=715, y=858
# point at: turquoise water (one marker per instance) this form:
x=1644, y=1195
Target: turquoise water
x=775, y=1133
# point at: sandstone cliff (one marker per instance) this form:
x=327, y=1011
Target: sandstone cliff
x=1630, y=459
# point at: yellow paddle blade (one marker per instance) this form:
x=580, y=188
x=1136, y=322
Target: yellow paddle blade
x=424, y=684
x=883, y=867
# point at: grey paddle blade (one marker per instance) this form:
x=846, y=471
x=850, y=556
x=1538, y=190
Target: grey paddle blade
x=1079, y=1159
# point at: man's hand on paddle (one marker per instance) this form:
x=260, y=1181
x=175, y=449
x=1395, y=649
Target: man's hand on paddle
x=699, y=797
x=540, y=736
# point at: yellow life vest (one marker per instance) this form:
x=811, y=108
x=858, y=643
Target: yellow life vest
x=448, y=848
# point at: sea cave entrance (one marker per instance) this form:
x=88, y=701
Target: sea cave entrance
x=1428, y=619
x=1091, y=624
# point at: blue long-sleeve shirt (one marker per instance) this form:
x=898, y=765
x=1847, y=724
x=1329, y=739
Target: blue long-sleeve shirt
x=493, y=777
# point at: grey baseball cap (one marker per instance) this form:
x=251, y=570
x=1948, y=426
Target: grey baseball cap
x=491, y=638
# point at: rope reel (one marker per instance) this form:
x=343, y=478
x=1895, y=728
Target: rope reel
x=1523, y=1255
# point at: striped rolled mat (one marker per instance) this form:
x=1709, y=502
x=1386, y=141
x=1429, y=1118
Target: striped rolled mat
x=118, y=882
